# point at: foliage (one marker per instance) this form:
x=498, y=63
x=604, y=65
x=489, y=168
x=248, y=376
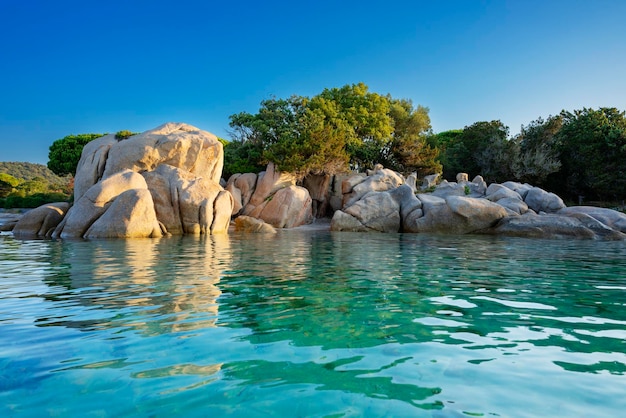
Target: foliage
x=481, y=148
x=125, y=134
x=341, y=128
x=536, y=156
x=32, y=200
x=65, y=153
x=592, y=150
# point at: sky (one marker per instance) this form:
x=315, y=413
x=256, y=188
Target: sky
x=77, y=66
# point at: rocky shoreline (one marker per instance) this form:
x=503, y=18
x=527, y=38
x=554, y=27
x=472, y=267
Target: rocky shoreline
x=167, y=181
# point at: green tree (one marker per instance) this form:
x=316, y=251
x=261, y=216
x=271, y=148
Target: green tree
x=481, y=148
x=592, y=149
x=8, y=184
x=359, y=116
x=409, y=150
x=536, y=151
x=65, y=153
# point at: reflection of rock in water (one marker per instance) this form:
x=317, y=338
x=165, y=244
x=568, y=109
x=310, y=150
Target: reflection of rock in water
x=153, y=285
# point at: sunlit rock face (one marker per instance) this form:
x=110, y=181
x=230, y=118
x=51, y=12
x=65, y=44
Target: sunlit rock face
x=465, y=207
x=162, y=181
x=271, y=196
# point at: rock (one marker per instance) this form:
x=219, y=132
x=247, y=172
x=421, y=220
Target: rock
x=445, y=189
x=93, y=159
x=541, y=201
x=380, y=179
x=175, y=144
x=496, y=192
x=241, y=187
x=252, y=225
x=187, y=204
x=456, y=215
x=165, y=180
x=579, y=226
x=97, y=200
x=519, y=188
x=379, y=211
x=348, y=184
x=609, y=217
x=430, y=181
x=268, y=182
x=478, y=186
x=42, y=221
x=318, y=187
x=411, y=181
x=462, y=177
x=513, y=204
x=376, y=211
x=286, y=208
x=130, y=215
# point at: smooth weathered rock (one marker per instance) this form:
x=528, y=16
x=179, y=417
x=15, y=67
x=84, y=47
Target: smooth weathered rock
x=519, y=188
x=456, y=215
x=187, y=204
x=478, y=186
x=176, y=144
x=496, y=192
x=318, y=187
x=541, y=201
x=462, y=177
x=93, y=159
x=241, y=187
x=430, y=181
x=609, y=217
x=380, y=179
x=554, y=226
x=513, y=204
x=377, y=211
x=445, y=189
x=97, y=200
x=252, y=225
x=42, y=221
x=286, y=208
x=130, y=215
x=268, y=182
x=411, y=181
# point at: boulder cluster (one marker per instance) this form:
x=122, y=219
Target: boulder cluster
x=166, y=181
x=160, y=182
x=383, y=202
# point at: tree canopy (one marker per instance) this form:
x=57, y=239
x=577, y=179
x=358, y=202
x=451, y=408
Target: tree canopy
x=65, y=153
x=338, y=129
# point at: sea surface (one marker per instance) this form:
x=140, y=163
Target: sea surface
x=308, y=323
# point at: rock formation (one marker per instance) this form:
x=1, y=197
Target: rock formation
x=160, y=182
x=377, y=203
x=271, y=196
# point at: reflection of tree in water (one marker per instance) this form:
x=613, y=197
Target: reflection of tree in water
x=153, y=285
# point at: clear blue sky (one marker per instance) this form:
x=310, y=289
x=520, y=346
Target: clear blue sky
x=80, y=66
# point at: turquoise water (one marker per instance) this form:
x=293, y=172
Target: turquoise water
x=312, y=323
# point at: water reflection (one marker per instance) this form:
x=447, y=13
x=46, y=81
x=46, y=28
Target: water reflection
x=314, y=322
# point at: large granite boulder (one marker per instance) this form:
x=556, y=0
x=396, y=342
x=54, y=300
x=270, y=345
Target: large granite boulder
x=609, y=217
x=541, y=201
x=273, y=198
x=253, y=225
x=456, y=215
x=162, y=181
x=42, y=221
x=378, y=180
x=126, y=198
x=555, y=226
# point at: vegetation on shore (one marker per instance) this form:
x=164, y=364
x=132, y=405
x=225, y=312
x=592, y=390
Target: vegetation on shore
x=28, y=185
x=580, y=154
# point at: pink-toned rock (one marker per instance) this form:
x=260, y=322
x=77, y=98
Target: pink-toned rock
x=286, y=208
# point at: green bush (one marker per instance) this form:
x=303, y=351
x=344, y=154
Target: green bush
x=123, y=135
x=32, y=201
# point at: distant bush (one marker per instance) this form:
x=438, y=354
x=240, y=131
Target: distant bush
x=31, y=201
x=124, y=135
